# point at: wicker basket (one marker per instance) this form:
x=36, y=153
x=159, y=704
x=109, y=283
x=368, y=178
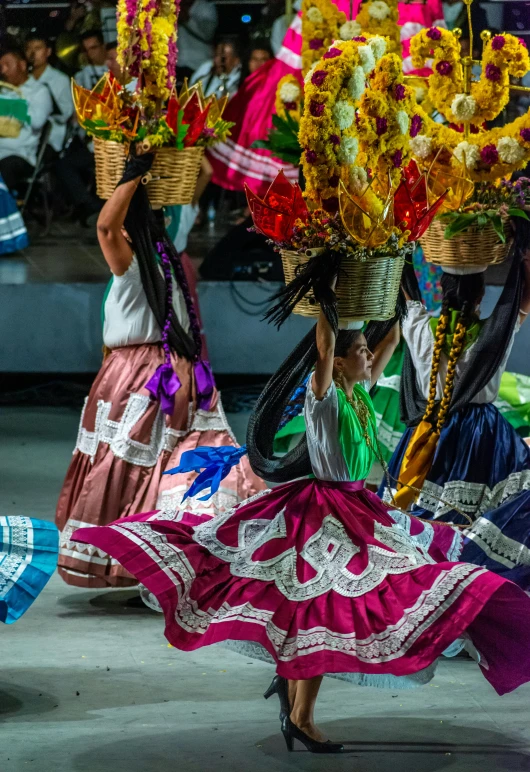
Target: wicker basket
x=110, y=160
x=173, y=176
x=472, y=247
x=369, y=289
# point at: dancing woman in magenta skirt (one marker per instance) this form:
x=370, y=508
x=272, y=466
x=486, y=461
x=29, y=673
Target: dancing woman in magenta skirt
x=319, y=576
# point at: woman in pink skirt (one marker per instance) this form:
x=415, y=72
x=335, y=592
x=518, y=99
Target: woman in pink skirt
x=153, y=398
x=318, y=576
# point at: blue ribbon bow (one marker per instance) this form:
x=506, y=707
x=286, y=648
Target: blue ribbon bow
x=215, y=464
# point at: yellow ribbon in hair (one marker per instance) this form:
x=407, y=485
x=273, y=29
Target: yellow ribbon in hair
x=416, y=463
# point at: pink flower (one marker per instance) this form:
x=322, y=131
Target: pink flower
x=498, y=42
x=315, y=44
x=415, y=126
x=493, y=72
x=359, y=39
x=489, y=155
x=444, y=67
x=434, y=33
x=332, y=53
x=318, y=77
x=522, y=42
x=316, y=109
x=399, y=92
x=381, y=125
x=525, y=134
x=310, y=156
x=397, y=158
x=334, y=139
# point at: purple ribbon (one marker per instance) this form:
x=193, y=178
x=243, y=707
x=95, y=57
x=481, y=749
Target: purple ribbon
x=205, y=384
x=163, y=386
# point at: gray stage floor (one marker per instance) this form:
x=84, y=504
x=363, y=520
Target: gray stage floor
x=89, y=685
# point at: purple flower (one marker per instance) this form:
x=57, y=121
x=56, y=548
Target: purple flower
x=498, y=42
x=359, y=39
x=400, y=92
x=434, y=33
x=381, y=126
x=334, y=181
x=493, y=72
x=415, y=126
x=397, y=158
x=310, y=156
x=444, y=67
x=316, y=109
x=318, y=77
x=332, y=53
x=334, y=139
x=489, y=155
x=290, y=105
x=525, y=134
x=315, y=44
x=330, y=204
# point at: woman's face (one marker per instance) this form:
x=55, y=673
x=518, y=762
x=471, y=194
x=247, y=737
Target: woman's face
x=356, y=366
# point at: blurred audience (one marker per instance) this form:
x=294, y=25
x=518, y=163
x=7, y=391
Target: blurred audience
x=38, y=53
x=95, y=52
x=18, y=155
x=222, y=74
x=197, y=25
x=259, y=53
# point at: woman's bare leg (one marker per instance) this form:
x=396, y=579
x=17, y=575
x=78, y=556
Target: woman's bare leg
x=302, y=712
x=291, y=685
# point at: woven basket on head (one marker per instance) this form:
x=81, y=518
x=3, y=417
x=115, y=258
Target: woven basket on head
x=110, y=158
x=365, y=290
x=173, y=176
x=475, y=246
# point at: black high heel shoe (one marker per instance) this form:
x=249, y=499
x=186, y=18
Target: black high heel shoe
x=291, y=733
x=280, y=687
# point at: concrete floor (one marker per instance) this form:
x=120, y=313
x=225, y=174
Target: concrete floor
x=88, y=684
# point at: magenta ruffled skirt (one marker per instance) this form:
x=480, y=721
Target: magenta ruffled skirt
x=324, y=578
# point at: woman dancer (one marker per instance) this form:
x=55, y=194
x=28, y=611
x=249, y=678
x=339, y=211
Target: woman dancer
x=461, y=460
x=318, y=575
x=153, y=397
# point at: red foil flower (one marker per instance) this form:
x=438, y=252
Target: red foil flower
x=276, y=214
x=411, y=204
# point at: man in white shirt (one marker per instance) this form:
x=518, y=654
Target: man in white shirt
x=196, y=30
x=38, y=52
x=93, y=47
x=222, y=74
x=18, y=155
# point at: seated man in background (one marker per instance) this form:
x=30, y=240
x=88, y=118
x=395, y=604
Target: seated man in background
x=114, y=67
x=93, y=48
x=38, y=53
x=222, y=74
x=18, y=155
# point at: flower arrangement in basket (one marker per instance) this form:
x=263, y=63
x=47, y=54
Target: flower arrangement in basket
x=466, y=157
x=109, y=116
x=13, y=111
x=363, y=203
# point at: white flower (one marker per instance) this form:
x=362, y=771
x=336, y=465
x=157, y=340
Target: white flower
x=510, y=151
x=403, y=121
x=309, y=75
x=467, y=153
x=349, y=150
x=349, y=30
x=357, y=83
x=464, y=107
x=421, y=146
x=367, y=58
x=314, y=15
x=289, y=92
x=343, y=114
x=359, y=179
x=379, y=10
x=378, y=46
